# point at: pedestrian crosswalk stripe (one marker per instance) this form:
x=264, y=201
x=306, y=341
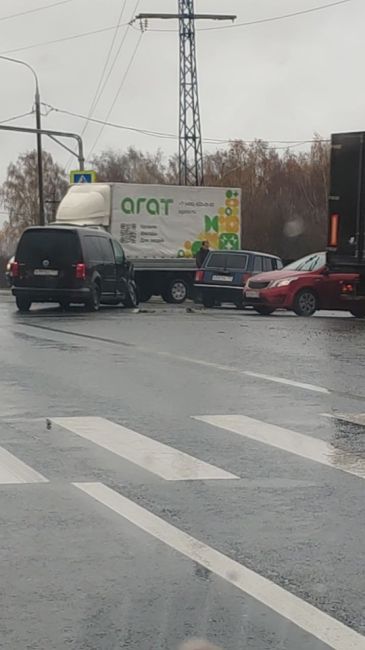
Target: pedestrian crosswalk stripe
x=295, y=443
x=156, y=457
x=288, y=382
x=315, y=622
x=353, y=418
x=13, y=470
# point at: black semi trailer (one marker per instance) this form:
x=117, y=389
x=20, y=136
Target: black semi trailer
x=346, y=223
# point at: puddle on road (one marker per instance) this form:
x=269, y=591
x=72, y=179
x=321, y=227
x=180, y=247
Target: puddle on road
x=49, y=344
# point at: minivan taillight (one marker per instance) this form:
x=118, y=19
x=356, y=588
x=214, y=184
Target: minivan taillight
x=14, y=269
x=80, y=272
x=199, y=276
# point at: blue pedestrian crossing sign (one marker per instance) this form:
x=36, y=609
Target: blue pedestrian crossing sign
x=86, y=176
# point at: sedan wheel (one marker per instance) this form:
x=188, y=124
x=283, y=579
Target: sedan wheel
x=305, y=303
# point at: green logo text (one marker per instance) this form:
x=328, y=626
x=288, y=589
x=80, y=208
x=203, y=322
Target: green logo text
x=152, y=206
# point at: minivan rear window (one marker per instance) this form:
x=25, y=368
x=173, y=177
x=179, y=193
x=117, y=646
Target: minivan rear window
x=60, y=247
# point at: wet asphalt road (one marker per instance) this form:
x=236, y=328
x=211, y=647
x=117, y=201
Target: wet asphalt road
x=77, y=574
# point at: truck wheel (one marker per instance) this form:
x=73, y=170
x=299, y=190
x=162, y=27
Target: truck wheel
x=208, y=301
x=93, y=304
x=23, y=303
x=264, y=311
x=131, y=300
x=176, y=292
x=358, y=312
x=305, y=303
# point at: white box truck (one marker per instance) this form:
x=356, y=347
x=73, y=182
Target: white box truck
x=160, y=227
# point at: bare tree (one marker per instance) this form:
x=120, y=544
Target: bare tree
x=284, y=197
x=19, y=192
x=131, y=166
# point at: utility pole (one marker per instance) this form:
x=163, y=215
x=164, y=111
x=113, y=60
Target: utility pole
x=37, y=102
x=191, y=171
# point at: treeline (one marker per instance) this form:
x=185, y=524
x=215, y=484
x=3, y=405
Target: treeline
x=284, y=193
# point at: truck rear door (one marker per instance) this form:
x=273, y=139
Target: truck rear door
x=346, y=202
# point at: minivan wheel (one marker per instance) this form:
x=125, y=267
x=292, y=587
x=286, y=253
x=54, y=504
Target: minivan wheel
x=93, y=304
x=131, y=300
x=305, y=303
x=23, y=303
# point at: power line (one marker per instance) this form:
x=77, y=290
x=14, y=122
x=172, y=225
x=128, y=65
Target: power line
x=280, y=17
x=116, y=94
x=263, y=20
x=35, y=10
x=108, y=29
x=16, y=117
x=100, y=85
x=116, y=56
x=63, y=39
x=111, y=124
x=165, y=135
x=95, y=99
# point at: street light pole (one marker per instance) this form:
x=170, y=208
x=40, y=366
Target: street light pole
x=39, y=157
x=37, y=102
x=54, y=135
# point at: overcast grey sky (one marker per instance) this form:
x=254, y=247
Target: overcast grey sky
x=280, y=80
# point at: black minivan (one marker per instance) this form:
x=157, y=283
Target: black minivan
x=69, y=264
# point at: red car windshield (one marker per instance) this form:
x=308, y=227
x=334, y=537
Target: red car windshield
x=312, y=262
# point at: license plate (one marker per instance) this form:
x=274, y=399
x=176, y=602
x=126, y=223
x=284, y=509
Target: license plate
x=51, y=272
x=222, y=278
x=252, y=294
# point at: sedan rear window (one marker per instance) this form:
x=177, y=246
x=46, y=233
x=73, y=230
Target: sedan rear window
x=60, y=247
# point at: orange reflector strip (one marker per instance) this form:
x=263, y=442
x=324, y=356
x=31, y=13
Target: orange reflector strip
x=333, y=235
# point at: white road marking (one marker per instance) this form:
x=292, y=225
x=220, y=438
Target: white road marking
x=13, y=470
x=290, y=441
x=155, y=457
x=353, y=418
x=239, y=371
x=289, y=382
x=320, y=625
x=199, y=362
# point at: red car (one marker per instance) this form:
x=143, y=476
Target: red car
x=304, y=287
